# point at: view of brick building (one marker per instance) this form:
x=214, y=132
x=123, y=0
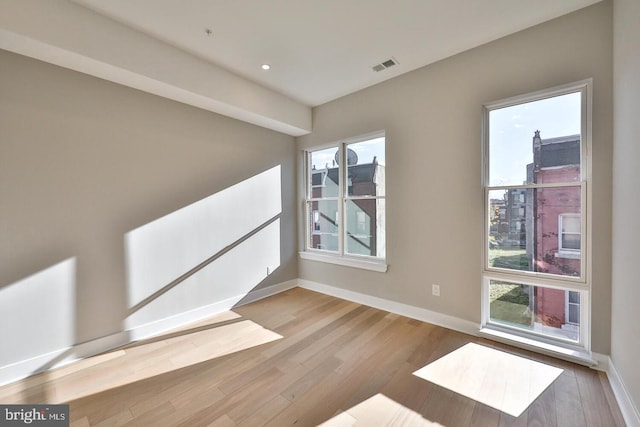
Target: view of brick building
x=364, y=217
x=545, y=223
x=554, y=233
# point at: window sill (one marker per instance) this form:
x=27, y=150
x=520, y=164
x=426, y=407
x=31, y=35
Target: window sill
x=581, y=357
x=379, y=266
x=568, y=255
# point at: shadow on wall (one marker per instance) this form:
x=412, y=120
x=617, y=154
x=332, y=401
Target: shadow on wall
x=205, y=257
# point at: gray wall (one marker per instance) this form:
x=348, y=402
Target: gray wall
x=625, y=342
x=432, y=118
x=83, y=162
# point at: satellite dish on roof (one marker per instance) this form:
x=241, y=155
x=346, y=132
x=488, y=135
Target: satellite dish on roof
x=352, y=157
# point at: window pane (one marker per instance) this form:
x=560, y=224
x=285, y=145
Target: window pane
x=534, y=308
x=324, y=173
x=574, y=297
x=508, y=230
x=365, y=227
x=574, y=314
x=529, y=138
x=570, y=224
x=571, y=241
x=525, y=235
x=323, y=225
x=366, y=168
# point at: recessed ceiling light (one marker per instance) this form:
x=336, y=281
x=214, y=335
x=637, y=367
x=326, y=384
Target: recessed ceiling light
x=265, y=67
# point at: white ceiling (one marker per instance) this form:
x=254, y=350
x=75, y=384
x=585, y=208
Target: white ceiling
x=320, y=50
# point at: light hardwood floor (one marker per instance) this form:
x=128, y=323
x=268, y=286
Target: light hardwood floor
x=302, y=358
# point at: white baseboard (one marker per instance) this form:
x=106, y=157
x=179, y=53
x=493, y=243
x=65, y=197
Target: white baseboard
x=269, y=291
x=151, y=329
x=24, y=368
x=418, y=313
x=627, y=407
x=629, y=410
x=54, y=359
x=99, y=345
x=163, y=325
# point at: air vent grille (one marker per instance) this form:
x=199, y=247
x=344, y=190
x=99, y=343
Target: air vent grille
x=384, y=65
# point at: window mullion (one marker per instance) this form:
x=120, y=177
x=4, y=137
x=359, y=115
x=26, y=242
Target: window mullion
x=342, y=170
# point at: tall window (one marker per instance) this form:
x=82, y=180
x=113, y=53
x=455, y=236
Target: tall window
x=345, y=199
x=535, y=184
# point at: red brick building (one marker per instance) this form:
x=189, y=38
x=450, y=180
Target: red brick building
x=553, y=225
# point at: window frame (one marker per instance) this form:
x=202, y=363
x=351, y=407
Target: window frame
x=581, y=284
x=340, y=257
x=568, y=252
x=568, y=304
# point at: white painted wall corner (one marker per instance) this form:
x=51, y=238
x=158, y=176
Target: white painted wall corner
x=630, y=412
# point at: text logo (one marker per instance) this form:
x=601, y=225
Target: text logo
x=34, y=415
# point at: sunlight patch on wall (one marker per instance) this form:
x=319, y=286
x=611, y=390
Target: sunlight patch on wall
x=163, y=250
x=503, y=381
x=38, y=313
x=227, y=280
x=378, y=410
x=212, y=252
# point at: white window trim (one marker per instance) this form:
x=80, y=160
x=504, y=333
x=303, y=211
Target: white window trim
x=582, y=284
x=563, y=252
x=567, y=304
x=583, y=342
x=339, y=257
x=348, y=261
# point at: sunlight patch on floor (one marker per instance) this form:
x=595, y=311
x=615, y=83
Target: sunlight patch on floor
x=379, y=410
x=161, y=357
x=183, y=347
x=503, y=381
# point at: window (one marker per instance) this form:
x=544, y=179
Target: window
x=535, y=165
x=573, y=308
x=534, y=309
x=569, y=235
x=316, y=222
x=345, y=203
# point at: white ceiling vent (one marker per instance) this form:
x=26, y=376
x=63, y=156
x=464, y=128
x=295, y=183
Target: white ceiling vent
x=385, y=64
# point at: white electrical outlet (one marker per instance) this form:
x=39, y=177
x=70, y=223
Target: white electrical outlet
x=435, y=290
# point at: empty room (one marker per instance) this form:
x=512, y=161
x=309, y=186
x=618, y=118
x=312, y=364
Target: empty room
x=338, y=213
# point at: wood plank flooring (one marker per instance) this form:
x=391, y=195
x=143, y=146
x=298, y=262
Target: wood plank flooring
x=300, y=358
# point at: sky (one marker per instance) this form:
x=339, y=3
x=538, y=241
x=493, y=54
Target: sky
x=365, y=150
x=511, y=131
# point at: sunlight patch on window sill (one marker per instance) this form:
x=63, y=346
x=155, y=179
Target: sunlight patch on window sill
x=503, y=381
x=379, y=266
